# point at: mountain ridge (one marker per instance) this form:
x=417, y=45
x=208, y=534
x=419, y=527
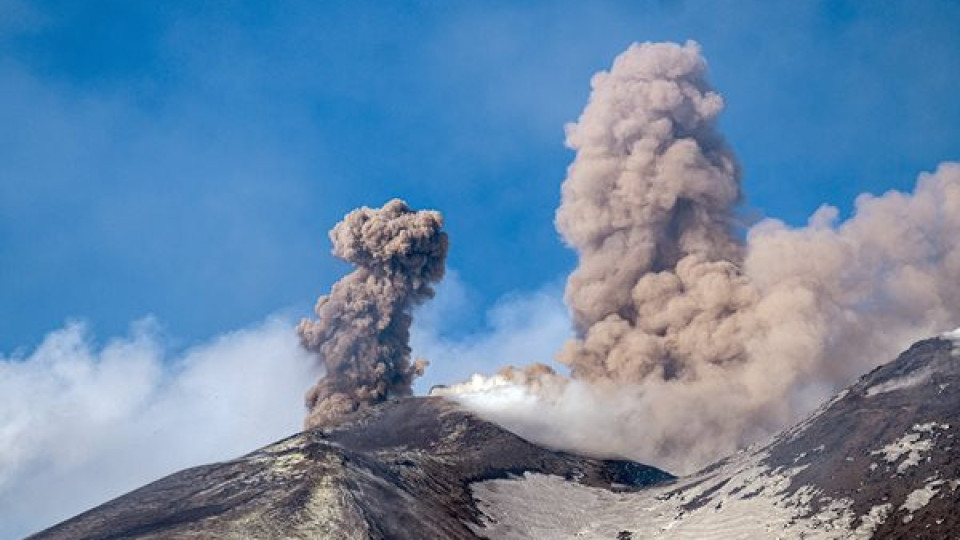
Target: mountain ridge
x=400, y=470
x=879, y=460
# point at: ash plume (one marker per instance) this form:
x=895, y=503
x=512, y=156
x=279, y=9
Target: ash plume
x=362, y=329
x=648, y=205
x=694, y=339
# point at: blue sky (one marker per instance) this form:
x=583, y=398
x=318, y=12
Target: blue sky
x=185, y=159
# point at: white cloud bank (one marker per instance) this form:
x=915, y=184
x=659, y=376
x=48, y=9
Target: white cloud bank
x=82, y=422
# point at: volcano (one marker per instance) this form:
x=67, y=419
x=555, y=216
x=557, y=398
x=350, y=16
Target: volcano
x=401, y=470
x=880, y=460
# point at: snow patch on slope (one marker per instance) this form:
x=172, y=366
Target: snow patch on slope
x=739, y=499
x=913, y=445
x=919, y=498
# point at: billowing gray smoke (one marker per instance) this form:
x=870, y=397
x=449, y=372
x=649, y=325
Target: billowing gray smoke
x=690, y=341
x=362, y=329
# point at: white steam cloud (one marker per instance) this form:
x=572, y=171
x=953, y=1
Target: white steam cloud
x=692, y=342
x=525, y=325
x=82, y=422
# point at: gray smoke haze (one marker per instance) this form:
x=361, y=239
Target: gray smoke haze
x=362, y=331
x=692, y=343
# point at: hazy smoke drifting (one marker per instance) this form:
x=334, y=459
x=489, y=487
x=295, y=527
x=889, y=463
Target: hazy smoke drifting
x=691, y=342
x=362, y=329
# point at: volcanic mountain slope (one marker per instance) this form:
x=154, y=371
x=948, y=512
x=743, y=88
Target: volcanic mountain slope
x=399, y=471
x=881, y=460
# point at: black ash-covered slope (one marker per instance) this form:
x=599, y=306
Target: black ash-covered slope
x=893, y=438
x=880, y=460
x=401, y=470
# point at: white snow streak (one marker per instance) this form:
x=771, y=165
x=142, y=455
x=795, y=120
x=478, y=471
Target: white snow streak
x=919, y=498
x=913, y=445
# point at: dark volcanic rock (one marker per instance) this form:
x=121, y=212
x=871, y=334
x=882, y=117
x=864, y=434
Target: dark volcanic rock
x=880, y=460
x=893, y=433
x=401, y=470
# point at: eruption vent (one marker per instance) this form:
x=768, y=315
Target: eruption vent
x=695, y=339
x=362, y=329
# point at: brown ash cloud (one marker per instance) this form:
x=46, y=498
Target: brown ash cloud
x=362, y=328
x=693, y=338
